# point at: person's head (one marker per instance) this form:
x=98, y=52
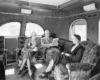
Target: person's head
x=53, y=35
x=47, y=34
x=33, y=35
x=76, y=39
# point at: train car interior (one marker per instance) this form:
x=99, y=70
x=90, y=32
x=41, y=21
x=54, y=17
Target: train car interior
x=63, y=19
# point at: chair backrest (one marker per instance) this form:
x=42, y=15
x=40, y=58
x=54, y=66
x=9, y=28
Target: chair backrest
x=2, y=71
x=65, y=45
x=38, y=42
x=21, y=41
x=11, y=45
x=2, y=44
x=89, y=55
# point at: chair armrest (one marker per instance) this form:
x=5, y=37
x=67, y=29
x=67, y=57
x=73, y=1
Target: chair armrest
x=79, y=71
x=5, y=49
x=17, y=49
x=3, y=52
x=79, y=66
x=17, y=52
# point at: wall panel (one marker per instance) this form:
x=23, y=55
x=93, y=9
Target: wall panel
x=93, y=29
x=60, y=26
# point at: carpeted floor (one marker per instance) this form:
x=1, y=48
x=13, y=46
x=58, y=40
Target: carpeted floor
x=38, y=68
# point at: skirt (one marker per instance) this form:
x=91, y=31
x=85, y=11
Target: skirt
x=26, y=54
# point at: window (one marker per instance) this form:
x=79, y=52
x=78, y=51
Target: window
x=81, y=30
x=33, y=27
x=11, y=29
x=79, y=27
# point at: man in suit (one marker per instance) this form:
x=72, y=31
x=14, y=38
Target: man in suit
x=46, y=42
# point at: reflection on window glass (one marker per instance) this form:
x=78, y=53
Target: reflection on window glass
x=10, y=29
x=32, y=27
x=81, y=30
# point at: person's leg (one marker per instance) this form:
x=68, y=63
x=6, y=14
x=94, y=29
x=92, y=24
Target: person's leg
x=48, y=70
x=29, y=67
x=23, y=63
x=25, y=57
x=50, y=66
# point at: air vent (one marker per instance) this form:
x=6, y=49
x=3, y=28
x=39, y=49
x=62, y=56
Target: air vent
x=95, y=15
x=89, y=16
x=92, y=15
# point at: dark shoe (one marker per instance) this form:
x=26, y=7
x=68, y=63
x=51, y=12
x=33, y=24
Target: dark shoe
x=44, y=75
x=19, y=72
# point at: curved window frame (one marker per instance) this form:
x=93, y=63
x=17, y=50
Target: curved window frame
x=11, y=32
x=29, y=31
x=72, y=29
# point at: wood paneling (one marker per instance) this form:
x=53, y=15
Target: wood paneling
x=49, y=21
x=92, y=32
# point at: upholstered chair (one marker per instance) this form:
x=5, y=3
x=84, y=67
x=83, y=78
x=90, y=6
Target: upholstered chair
x=82, y=70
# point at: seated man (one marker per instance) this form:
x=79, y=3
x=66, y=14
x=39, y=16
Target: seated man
x=59, y=61
x=47, y=42
x=29, y=46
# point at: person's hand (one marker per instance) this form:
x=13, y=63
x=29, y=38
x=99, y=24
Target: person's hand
x=62, y=53
x=50, y=44
x=67, y=54
x=23, y=50
x=35, y=49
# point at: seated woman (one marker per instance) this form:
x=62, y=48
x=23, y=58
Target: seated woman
x=58, y=62
x=29, y=46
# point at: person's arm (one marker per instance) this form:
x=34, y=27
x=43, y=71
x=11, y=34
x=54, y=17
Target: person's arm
x=25, y=45
x=78, y=56
x=43, y=44
x=34, y=48
x=65, y=53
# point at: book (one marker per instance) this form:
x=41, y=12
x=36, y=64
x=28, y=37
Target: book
x=55, y=41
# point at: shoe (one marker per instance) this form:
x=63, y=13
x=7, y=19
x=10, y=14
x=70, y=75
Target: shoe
x=19, y=72
x=44, y=75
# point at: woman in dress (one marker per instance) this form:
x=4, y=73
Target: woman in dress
x=29, y=46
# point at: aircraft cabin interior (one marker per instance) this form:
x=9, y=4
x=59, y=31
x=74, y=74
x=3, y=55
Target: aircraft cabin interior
x=49, y=39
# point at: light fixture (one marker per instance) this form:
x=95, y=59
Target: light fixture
x=26, y=11
x=90, y=7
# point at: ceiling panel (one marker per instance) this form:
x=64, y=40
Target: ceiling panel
x=49, y=2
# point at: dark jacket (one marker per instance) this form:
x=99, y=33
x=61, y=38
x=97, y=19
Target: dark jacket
x=77, y=53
